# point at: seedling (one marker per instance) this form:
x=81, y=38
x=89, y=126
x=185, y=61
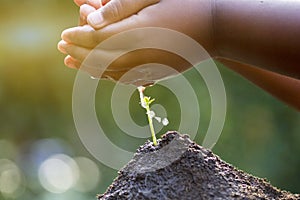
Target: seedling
x=145, y=103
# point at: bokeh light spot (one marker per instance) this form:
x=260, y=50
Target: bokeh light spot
x=10, y=178
x=58, y=173
x=89, y=174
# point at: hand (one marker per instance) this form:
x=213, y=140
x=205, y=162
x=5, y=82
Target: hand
x=87, y=7
x=112, y=12
x=78, y=42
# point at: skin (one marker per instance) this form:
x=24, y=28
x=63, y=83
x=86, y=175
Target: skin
x=257, y=39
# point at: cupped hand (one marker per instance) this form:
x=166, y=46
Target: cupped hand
x=192, y=18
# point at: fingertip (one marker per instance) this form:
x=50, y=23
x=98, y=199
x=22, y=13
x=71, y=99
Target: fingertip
x=68, y=34
x=65, y=34
x=71, y=34
x=71, y=62
x=67, y=60
x=86, y=9
x=96, y=20
x=61, y=46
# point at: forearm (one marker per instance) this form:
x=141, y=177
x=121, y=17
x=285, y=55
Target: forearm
x=282, y=87
x=263, y=33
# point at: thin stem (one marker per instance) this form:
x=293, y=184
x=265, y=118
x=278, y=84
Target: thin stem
x=145, y=103
x=151, y=125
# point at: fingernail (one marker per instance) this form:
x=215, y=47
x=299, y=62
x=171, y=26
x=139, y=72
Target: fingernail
x=95, y=19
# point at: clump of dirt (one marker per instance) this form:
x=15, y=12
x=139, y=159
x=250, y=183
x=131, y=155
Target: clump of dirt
x=178, y=168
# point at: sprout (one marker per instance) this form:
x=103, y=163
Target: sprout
x=145, y=103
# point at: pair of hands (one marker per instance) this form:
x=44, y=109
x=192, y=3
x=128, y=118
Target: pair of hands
x=99, y=21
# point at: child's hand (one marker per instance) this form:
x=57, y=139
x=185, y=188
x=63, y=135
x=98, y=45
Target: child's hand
x=78, y=42
x=115, y=11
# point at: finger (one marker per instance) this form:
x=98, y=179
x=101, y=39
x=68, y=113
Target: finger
x=114, y=76
x=104, y=2
x=76, y=64
x=79, y=2
x=72, y=62
x=77, y=52
x=87, y=36
x=60, y=46
x=84, y=11
x=96, y=59
x=84, y=36
x=116, y=10
x=95, y=3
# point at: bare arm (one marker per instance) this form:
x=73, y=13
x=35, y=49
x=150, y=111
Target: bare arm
x=263, y=33
x=285, y=88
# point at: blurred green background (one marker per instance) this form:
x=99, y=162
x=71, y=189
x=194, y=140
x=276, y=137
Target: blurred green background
x=39, y=146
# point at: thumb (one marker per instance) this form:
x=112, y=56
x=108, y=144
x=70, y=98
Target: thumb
x=116, y=10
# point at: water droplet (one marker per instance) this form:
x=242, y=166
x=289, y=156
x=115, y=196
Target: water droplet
x=165, y=121
x=158, y=119
x=151, y=114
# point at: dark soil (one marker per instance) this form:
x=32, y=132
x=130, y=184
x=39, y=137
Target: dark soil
x=178, y=168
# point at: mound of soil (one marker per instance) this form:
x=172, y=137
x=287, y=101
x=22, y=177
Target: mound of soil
x=178, y=168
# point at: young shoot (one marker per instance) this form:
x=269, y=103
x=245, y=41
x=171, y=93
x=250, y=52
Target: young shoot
x=145, y=103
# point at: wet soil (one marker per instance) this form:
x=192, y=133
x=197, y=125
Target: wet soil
x=178, y=168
